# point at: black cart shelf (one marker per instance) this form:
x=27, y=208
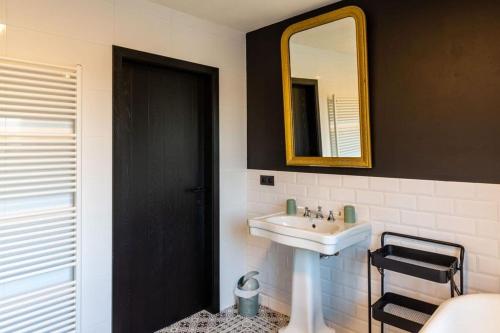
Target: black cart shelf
x=404, y=312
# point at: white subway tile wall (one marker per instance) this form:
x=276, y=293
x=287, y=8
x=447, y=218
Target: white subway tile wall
x=465, y=213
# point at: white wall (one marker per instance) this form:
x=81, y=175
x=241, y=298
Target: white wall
x=69, y=32
x=466, y=213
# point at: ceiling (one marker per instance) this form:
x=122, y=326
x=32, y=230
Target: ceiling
x=244, y=15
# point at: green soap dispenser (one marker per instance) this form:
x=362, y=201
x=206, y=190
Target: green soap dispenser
x=349, y=214
x=291, y=207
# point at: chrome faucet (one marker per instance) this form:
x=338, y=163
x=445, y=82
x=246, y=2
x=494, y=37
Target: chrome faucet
x=319, y=214
x=307, y=212
x=331, y=218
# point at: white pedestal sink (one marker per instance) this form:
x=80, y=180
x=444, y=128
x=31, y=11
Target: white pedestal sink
x=309, y=237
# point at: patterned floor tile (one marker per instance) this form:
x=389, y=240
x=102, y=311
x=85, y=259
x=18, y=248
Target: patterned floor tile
x=267, y=321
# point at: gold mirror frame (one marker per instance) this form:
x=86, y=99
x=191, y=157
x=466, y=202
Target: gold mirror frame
x=351, y=162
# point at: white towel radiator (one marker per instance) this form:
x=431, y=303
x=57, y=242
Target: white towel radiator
x=39, y=197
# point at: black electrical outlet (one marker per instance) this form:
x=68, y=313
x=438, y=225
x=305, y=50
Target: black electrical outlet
x=267, y=180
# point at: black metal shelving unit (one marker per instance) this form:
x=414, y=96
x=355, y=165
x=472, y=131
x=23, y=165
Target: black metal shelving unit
x=404, y=312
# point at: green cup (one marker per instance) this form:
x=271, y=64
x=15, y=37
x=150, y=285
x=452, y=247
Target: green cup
x=291, y=207
x=349, y=214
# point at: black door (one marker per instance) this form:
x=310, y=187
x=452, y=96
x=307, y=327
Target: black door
x=163, y=193
x=306, y=118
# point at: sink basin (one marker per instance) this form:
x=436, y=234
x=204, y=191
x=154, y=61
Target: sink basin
x=468, y=313
x=309, y=237
x=307, y=233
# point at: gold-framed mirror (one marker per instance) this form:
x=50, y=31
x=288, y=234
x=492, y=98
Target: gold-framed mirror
x=325, y=90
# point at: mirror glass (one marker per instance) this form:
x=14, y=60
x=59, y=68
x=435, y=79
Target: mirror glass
x=324, y=84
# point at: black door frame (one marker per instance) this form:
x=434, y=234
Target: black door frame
x=119, y=55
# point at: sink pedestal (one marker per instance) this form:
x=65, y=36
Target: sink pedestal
x=307, y=309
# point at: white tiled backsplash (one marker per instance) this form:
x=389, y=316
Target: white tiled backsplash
x=465, y=213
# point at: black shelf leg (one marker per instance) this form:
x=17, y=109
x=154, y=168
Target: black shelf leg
x=369, y=294
x=462, y=277
x=381, y=293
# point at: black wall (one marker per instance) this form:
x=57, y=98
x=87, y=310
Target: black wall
x=434, y=85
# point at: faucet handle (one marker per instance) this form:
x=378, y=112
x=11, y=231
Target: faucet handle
x=331, y=217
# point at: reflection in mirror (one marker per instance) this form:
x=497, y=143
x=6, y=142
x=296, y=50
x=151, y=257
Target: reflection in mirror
x=325, y=98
